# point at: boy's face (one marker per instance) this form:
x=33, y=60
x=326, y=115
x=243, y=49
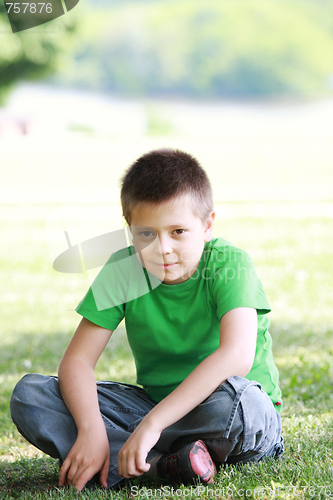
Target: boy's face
x=169, y=238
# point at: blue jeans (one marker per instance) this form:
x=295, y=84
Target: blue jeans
x=238, y=421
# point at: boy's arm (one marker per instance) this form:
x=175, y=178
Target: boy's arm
x=90, y=453
x=234, y=356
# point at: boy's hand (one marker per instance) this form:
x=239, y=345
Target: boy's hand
x=90, y=454
x=132, y=456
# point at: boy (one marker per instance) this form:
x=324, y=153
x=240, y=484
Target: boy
x=195, y=314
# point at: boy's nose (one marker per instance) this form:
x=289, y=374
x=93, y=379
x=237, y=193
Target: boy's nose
x=165, y=245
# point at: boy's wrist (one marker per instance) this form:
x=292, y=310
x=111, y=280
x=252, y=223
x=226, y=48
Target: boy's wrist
x=152, y=421
x=90, y=425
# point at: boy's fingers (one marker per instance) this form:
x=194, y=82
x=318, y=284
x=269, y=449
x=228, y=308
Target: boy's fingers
x=136, y=465
x=132, y=463
x=141, y=464
x=119, y=465
x=63, y=473
x=126, y=465
x=103, y=477
x=82, y=476
x=131, y=466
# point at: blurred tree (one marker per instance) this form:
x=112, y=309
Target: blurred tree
x=31, y=54
x=208, y=48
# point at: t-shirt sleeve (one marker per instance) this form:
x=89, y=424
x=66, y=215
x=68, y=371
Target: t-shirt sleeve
x=236, y=283
x=109, y=318
x=104, y=303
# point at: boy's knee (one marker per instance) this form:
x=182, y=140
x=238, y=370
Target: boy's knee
x=27, y=387
x=249, y=420
x=31, y=390
x=22, y=394
x=240, y=406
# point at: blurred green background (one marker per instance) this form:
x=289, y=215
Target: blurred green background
x=207, y=49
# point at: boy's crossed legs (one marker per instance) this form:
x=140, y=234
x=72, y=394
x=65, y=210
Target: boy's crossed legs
x=237, y=422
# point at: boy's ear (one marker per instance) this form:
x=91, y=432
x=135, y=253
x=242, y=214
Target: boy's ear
x=209, y=225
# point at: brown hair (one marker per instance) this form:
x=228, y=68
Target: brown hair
x=163, y=174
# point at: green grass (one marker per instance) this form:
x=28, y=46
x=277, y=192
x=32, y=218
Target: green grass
x=293, y=259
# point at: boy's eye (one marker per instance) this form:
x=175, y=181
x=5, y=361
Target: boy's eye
x=180, y=231
x=146, y=234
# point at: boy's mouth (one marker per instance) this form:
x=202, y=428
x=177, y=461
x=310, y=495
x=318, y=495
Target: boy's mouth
x=167, y=265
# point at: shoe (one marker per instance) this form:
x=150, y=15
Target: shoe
x=190, y=463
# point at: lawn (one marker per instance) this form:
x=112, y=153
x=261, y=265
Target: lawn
x=268, y=156
x=293, y=259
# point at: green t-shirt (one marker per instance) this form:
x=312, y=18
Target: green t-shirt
x=172, y=328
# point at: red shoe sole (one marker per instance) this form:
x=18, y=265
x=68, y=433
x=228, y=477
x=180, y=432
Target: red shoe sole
x=201, y=462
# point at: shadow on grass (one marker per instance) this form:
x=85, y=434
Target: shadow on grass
x=38, y=479
x=28, y=475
